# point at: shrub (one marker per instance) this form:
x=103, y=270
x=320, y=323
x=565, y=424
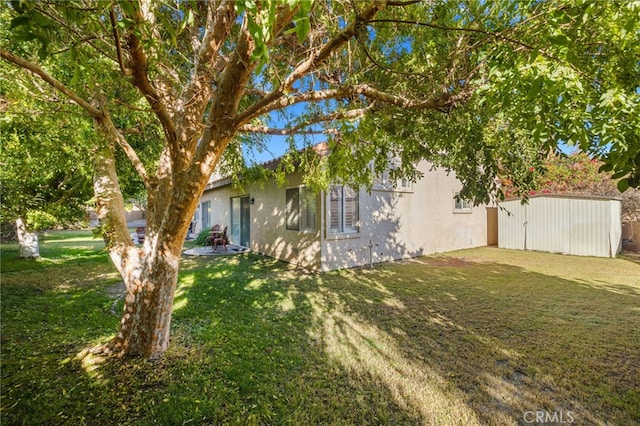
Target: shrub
x=201, y=239
x=39, y=220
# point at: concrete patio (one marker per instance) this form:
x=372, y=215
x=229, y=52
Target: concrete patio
x=208, y=251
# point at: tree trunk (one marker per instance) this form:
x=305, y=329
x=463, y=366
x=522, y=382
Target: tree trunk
x=150, y=285
x=27, y=241
x=150, y=272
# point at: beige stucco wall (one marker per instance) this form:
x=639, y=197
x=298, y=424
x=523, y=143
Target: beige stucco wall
x=399, y=223
x=220, y=206
x=402, y=224
x=268, y=233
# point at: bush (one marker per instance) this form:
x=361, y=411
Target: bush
x=39, y=220
x=201, y=239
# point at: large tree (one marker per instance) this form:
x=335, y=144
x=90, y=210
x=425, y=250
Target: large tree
x=479, y=87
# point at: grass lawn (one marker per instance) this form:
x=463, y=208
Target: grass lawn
x=482, y=336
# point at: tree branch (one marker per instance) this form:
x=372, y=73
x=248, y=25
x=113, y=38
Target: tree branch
x=56, y=84
x=110, y=129
x=218, y=23
x=337, y=115
x=384, y=67
x=220, y=126
x=498, y=35
x=139, y=66
x=221, y=123
x=445, y=28
x=98, y=114
x=296, y=130
x=116, y=37
x=314, y=59
x=443, y=102
x=75, y=32
x=199, y=89
x=403, y=3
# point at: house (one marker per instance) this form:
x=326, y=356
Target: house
x=345, y=227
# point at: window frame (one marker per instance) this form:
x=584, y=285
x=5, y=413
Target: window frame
x=405, y=184
x=461, y=205
x=205, y=214
x=343, y=228
x=383, y=181
x=303, y=209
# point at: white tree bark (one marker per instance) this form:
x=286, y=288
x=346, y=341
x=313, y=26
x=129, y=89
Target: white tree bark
x=28, y=246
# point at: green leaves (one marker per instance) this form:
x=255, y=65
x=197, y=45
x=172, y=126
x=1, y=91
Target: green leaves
x=529, y=75
x=536, y=88
x=32, y=26
x=261, y=18
x=41, y=180
x=301, y=21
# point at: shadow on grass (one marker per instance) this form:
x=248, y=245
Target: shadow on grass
x=433, y=341
x=511, y=341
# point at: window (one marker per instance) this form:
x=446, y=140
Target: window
x=384, y=182
x=293, y=208
x=344, y=210
x=205, y=208
x=301, y=209
x=461, y=205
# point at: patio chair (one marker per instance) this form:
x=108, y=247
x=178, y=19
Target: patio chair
x=140, y=233
x=215, y=233
x=221, y=240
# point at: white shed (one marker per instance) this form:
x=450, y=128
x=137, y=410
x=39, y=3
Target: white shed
x=578, y=225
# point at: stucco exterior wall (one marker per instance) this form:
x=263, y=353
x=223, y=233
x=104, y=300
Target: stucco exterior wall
x=394, y=223
x=220, y=212
x=268, y=232
x=397, y=224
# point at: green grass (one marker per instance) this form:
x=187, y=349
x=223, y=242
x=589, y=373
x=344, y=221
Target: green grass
x=477, y=336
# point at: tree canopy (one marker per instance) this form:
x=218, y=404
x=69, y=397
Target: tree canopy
x=45, y=171
x=482, y=88
x=526, y=77
x=578, y=174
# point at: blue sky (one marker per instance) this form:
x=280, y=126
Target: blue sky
x=278, y=145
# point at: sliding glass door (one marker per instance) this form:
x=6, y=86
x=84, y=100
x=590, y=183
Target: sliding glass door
x=241, y=221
